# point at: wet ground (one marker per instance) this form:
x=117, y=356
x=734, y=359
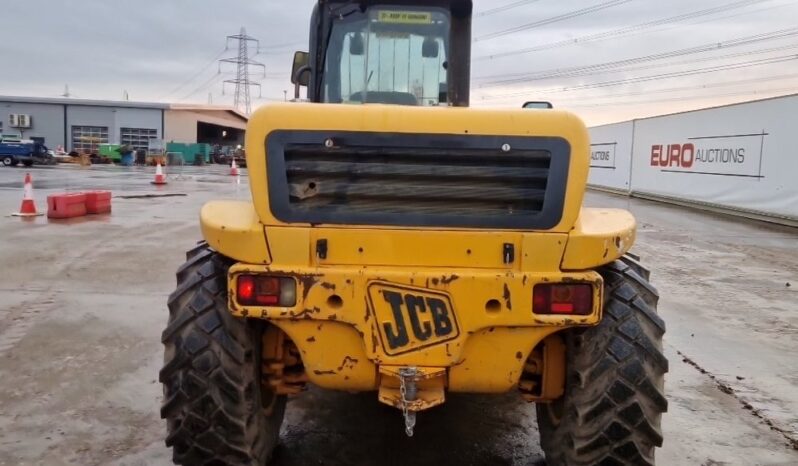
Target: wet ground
x=82, y=306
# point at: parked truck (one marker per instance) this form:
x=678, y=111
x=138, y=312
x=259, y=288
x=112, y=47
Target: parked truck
x=14, y=151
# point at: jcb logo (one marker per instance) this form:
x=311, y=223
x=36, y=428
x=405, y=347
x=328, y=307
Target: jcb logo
x=411, y=318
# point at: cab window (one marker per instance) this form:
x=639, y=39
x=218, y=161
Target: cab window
x=388, y=55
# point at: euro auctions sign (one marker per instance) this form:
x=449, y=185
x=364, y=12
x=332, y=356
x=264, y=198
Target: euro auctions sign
x=740, y=157
x=602, y=155
x=721, y=155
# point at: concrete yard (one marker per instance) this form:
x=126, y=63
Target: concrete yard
x=83, y=304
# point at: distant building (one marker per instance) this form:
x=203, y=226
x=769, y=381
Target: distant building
x=80, y=125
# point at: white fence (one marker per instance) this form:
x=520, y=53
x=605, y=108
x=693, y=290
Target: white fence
x=610, y=156
x=737, y=158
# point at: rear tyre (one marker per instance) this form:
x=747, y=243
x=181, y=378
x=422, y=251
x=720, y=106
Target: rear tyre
x=28, y=163
x=216, y=409
x=614, y=397
x=8, y=160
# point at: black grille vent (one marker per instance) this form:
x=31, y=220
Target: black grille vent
x=430, y=183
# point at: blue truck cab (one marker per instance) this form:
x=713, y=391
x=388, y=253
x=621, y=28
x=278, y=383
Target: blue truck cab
x=14, y=151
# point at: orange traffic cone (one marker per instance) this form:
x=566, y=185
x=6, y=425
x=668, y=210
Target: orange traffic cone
x=28, y=208
x=160, y=178
x=234, y=169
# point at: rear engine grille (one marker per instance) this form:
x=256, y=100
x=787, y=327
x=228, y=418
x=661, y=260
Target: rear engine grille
x=457, y=181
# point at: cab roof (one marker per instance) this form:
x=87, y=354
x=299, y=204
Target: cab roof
x=463, y=7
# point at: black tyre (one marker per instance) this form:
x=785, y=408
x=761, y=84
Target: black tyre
x=216, y=409
x=28, y=163
x=614, y=397
x=8, y=160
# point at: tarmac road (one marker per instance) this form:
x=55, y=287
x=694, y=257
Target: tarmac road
x=82, y=306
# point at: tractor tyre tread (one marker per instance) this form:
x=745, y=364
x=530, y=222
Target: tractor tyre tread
x=611, y=411
x=211, y=373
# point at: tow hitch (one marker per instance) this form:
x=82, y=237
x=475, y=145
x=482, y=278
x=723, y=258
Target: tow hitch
x=412, y=389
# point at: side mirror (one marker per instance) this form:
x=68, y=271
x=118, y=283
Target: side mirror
x=300, y=75
x=357, y=46
x=538, y=104
x=430, y=48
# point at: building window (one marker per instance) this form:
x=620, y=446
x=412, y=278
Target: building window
x=137, y=138
x=86, y=139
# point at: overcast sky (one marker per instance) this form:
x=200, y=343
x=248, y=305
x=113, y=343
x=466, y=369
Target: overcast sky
x=164, y=50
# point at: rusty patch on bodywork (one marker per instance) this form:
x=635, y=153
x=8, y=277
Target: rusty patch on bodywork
x=306, y=313
x=374, y=342
x=348, y=363
x=308, y=281
x=507, y=300
x=446, y=280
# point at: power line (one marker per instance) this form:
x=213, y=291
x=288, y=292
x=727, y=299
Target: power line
x=706, y=59
x=278, y=49
x=506, y=78
x=624, y=65
x=624, y=30
x=284, y=45
x=509, y=6
x=205, y=85
x=639, y=79
x=747, y=13
x=266, y=50
x=195, y=76
x=777, y=91
x=739, y=82
x=554, y=19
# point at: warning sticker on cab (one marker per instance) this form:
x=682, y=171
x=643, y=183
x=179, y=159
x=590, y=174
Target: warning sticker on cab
x=404, y=17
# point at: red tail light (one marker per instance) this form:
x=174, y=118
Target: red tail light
x=560, y=298
x=246, y=288
x=265, y=290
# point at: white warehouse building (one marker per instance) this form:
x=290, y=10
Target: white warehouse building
x=79, y=125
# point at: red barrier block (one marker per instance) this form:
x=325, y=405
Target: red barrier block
x=98, y=202
x=66, y=205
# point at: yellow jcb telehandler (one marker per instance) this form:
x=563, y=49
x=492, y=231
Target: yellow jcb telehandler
x=400, y=242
